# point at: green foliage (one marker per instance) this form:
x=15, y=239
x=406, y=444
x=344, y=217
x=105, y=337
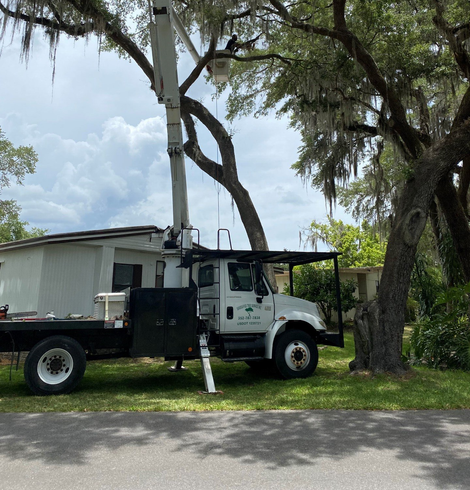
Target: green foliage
x=360, y=246
x=450, y=263
x=318, y=285
x=343, y=120
x=443, y=341
x=12, y=228
x=15, y=163
x=373, y=196
x=426, y=284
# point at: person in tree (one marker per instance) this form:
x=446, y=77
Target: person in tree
x=232, y=44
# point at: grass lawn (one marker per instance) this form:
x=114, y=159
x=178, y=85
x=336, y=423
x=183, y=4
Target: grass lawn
x=147, y=385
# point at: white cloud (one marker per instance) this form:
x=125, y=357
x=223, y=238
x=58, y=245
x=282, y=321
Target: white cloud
x=136, y=138
x=77, y=179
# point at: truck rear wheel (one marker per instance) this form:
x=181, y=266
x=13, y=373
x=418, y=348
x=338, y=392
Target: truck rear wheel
x=55, y=366
x=295, y=354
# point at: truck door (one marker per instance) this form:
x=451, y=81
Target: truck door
x=244, y=311
x=209, y=294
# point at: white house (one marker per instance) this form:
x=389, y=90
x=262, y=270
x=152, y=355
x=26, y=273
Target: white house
x=62, y=273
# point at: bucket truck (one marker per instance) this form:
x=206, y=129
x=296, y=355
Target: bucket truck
x=214, y=303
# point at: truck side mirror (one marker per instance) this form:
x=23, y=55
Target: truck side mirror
x=259, y=289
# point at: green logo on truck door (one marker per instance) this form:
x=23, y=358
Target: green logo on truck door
x=248, y=314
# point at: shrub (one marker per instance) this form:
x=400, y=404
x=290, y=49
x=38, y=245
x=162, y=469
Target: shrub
x=444, y=339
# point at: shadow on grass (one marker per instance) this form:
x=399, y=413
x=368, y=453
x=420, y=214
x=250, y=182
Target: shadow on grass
x=437, y=441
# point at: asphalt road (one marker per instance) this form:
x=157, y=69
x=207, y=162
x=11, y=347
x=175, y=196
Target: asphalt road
x=236, y=450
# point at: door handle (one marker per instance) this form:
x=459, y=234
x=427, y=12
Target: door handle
x=229, y=312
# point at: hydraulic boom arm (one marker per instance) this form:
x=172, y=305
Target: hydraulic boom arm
x=167, y=88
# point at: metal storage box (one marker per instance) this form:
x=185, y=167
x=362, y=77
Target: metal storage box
x=109, y=305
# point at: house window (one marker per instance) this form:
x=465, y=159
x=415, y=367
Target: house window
x=159, y=274
x=126, y=276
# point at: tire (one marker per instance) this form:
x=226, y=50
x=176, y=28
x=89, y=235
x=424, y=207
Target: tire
x=295, y=354
x=55, y=366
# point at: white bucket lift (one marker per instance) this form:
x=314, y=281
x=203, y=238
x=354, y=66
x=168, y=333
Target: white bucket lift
x=220, y=67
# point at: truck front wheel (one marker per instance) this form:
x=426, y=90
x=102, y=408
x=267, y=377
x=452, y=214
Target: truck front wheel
x=295, y=354
x=55, y=366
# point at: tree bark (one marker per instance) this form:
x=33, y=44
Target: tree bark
x=365, y=319
x=464, y=184
x=457, y=222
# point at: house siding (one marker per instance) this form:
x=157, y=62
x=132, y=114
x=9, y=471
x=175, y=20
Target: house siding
x=67, y=280
x=142, y=243
x=147, y=260
x=20, y=274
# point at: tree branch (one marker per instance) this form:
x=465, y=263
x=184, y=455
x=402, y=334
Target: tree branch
x=194, y=75
x=260, y=57
x=463, y=113
x=193, y=151
x=217, y=130
x=359, y=53
x=241, y=15
x=460, y=54
x=72, y=30
x=363, y=128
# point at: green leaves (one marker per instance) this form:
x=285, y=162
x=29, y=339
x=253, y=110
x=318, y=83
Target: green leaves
x=15, y=163
x=360, y=246
x=12, y=228
x=444, y=340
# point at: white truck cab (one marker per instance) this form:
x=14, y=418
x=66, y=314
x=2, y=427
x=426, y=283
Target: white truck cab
x=246, y=320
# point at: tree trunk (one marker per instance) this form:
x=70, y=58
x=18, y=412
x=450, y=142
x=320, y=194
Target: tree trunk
x=385, y=325
x=457, y=222
x=225, y=174
x=365, y=319
x=464, y=184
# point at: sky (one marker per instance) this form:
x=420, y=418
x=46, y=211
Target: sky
x=100, y=136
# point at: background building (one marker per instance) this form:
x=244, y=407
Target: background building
x=366, y=278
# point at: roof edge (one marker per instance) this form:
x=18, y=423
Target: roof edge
x=80, y=236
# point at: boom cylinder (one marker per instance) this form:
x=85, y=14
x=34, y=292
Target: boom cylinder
x=167, y=89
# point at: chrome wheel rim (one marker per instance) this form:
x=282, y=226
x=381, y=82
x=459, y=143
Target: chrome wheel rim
x=297, y=355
